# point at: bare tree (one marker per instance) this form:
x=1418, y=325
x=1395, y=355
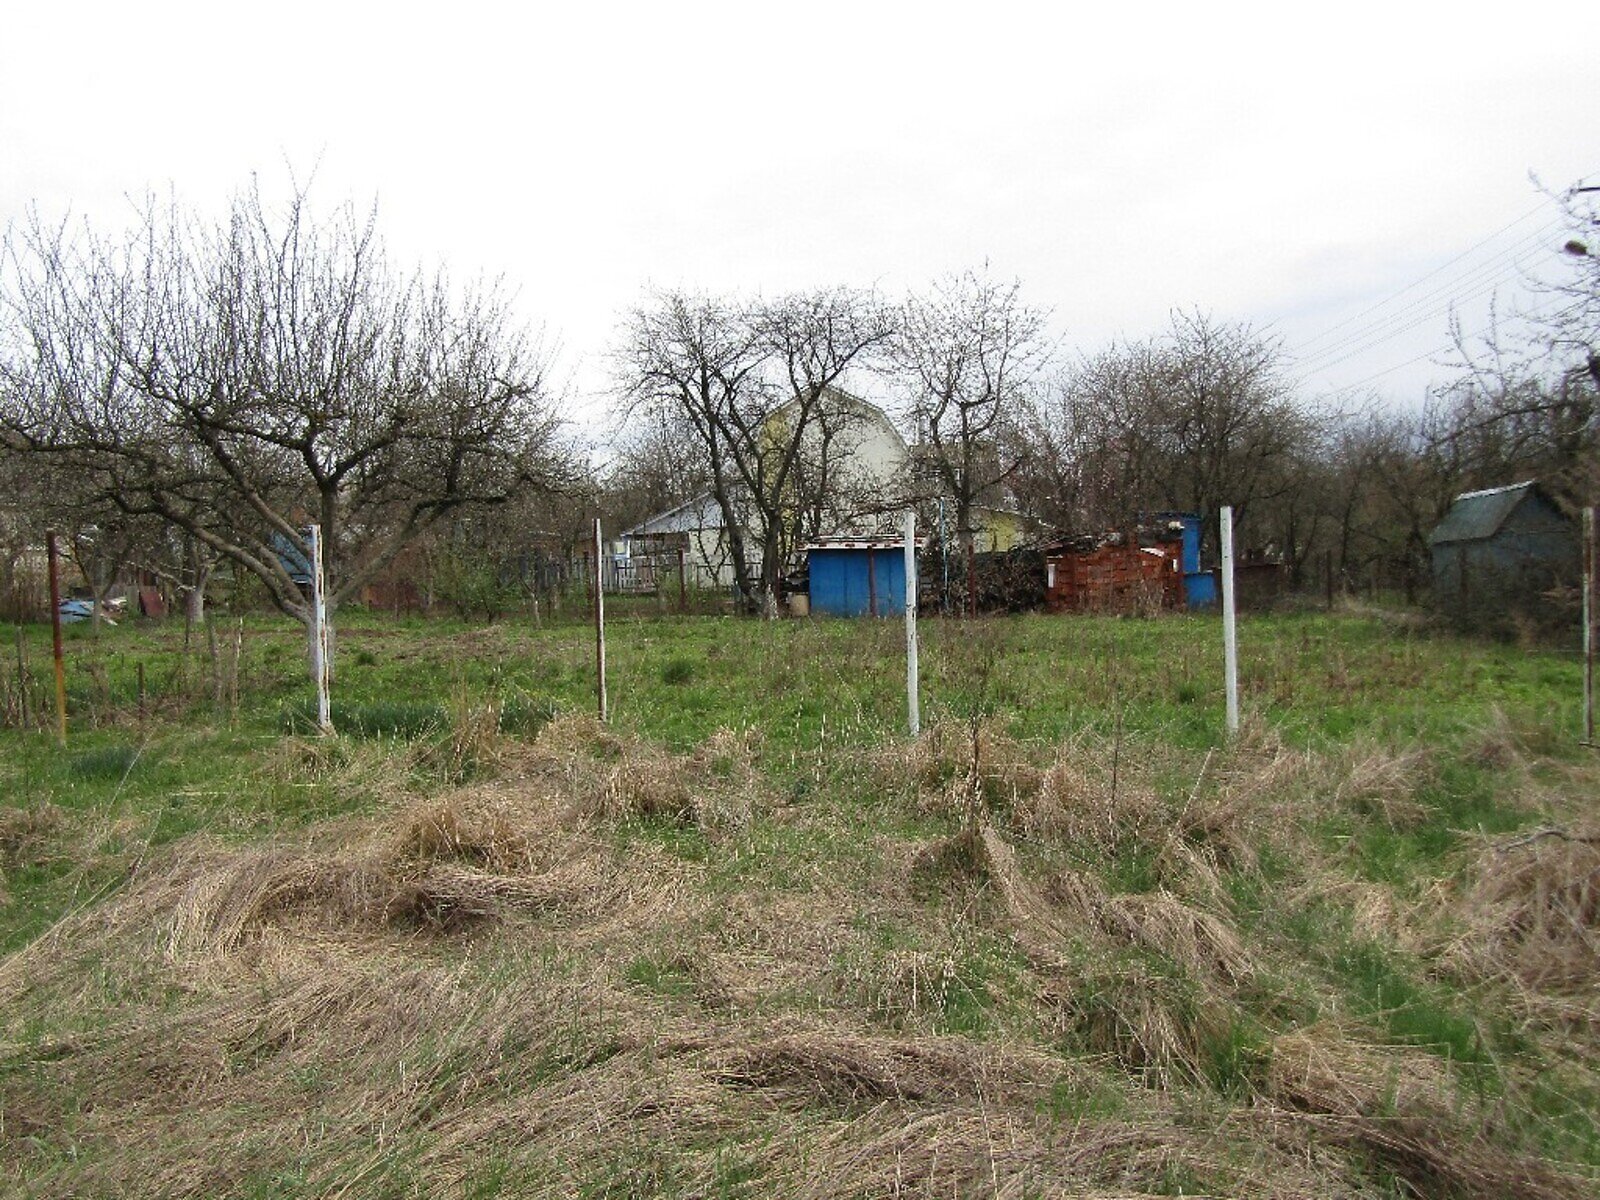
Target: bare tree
x=1526, y=398
x=1193, y=419
x=239, y=380
x=757, y=385
x=967, y=357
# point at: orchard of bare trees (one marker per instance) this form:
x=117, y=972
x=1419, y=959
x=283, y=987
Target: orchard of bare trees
x=184, y=397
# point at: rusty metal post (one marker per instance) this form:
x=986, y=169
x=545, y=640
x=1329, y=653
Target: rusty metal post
x=1590, y=565
x=55, y=635
x=22, y=677
x=599, y=628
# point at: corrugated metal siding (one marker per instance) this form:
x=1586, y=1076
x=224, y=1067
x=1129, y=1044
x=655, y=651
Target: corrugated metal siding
x=844, y=585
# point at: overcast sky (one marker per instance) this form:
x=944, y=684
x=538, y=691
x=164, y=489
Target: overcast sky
x=1286, y=170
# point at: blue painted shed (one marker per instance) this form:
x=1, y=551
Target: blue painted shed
x=857, y=577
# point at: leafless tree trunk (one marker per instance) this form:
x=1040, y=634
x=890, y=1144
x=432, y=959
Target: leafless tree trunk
x=969, y=357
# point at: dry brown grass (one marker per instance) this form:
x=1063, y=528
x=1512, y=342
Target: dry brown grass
x=612, y=775
x=1398, y=1107
x=938, y=767
x=509, y=988
x=1532, y=911
x=1380, y=782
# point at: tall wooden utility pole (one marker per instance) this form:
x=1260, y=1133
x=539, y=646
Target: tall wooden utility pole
x=55, y=635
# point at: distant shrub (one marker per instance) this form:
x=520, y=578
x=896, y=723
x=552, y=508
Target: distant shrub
x=105, y=762
x=405, y=719
x=526, y=715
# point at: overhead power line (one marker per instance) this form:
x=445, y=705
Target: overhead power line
x=1492, y=272
x=1468, y=252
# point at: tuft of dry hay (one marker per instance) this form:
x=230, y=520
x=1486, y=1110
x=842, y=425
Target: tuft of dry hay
x=356, y=770
x=940, y=767
x=1322, y=1069
x=1383, y=783
x=612, y=775
x=444, y=865
x=488, y=835
x=1202, y=944
x=1077, y=802
x=26, y=834
x=840, y=1068
x=1532, y=911
x=1397, y=1107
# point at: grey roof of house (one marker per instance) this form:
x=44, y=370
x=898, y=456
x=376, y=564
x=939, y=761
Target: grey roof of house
x=1477, y=515
x=703, y=512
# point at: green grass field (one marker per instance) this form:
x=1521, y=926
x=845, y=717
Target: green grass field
x=750, y=939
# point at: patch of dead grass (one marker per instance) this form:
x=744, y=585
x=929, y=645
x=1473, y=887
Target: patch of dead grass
x=1532, y=910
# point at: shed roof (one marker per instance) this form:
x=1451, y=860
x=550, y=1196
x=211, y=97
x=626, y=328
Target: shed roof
x=1477, y=515
x=862, y=543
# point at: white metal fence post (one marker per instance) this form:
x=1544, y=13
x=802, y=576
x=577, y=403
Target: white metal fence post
x=913, y=704
x=1230, y=639
x=319, y=632
x=599, y=625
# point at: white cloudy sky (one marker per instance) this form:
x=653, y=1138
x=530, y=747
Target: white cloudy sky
x=1282, y=169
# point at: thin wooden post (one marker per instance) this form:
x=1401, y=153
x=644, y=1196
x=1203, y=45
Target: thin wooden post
x=683, y=583
x=972, y=580
x=319, y=632
x=1327, y=575
x=599, y=629
x=913, y=704
x=55, y=636
x=872, y=581
x=233, y=673
x=1230, y=640
x=141, y=693
x=1589, y=567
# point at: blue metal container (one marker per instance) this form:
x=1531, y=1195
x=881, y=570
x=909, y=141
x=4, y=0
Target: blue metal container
x=1199, y=589
x=843, y=584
